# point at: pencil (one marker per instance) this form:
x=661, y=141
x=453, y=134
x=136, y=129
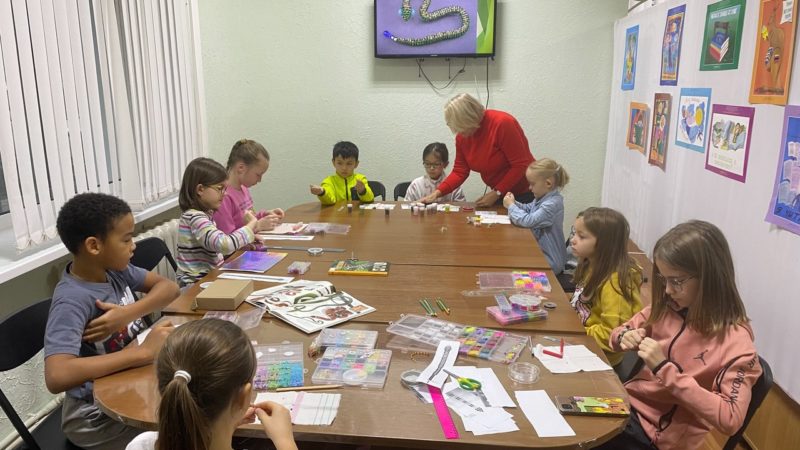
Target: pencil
x=309, y=388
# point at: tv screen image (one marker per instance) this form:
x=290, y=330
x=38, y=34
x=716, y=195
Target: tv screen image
x=424, y=28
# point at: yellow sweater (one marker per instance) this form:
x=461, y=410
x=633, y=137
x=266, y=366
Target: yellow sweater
x=338, y=189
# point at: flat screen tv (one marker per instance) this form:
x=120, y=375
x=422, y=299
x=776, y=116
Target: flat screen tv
x=428, y=28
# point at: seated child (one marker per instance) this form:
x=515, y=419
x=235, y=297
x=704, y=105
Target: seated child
x=94, y=315
x=545, y=215
x=200, y=243
x=204, y=377
x=435, y=161
x=696, y=343
x=247, y=163
x=338, y=187
x=607, y=279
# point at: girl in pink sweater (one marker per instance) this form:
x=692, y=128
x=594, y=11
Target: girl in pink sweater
x=696, y=343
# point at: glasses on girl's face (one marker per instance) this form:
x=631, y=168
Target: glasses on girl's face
x=431, y=165
x=221, y=188
x=675, y=283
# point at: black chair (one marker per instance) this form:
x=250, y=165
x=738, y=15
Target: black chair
x=631, y=364
x=401, y=189
x=377, y=189
x=22, y=337
x=150, y=251
x=760, y=390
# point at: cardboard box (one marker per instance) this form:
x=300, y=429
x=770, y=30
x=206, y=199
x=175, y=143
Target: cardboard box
x=224, y=295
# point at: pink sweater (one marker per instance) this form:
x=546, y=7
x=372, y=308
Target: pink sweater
x=704, y=383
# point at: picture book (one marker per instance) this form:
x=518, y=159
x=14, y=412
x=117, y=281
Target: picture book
x=253, y=261
x=287, y=294
x=313, y=313
x=358, y=267
x=592, y=406
x=722, y=36
x=287, y=228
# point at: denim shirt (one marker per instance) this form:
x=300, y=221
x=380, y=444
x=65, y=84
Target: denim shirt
x=545, y=217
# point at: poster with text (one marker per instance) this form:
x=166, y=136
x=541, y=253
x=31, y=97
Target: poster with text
x=629, y=61
x=693, y=108
x=722, y=37
x=729, y=143
x=784, y=207
x=671, y=46
x=637, y=126
x=772, y=64
x=659, y=137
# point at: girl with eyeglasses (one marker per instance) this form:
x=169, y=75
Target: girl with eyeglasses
x=696, y=344
x=200, y=243
x=435, y=161
x=607, y=279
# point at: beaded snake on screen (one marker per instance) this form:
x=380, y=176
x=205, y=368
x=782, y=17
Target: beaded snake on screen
x=407, y=12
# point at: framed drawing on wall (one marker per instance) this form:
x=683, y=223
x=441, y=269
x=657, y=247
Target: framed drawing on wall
x=638, y=115
x=722, y=37
x=784, y=206
x=671, y=46
x=662, y=107
x=629, y=61
x=693, y=107
x=729, y=143
x=772, y=63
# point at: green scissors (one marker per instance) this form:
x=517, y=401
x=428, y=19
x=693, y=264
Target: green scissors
x=470, y=384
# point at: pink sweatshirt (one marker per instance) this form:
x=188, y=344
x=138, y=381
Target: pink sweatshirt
x=230, y=215
x=704, y=383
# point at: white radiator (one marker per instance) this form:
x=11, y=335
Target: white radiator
x=168, y=232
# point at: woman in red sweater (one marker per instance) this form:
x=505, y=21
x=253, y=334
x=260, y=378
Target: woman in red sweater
x=491, y=143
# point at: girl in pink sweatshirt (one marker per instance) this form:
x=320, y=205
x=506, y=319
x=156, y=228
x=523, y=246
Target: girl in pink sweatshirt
x=696, y=343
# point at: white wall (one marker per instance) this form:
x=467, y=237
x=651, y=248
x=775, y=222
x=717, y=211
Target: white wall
x=299, y=76
x=654, y=201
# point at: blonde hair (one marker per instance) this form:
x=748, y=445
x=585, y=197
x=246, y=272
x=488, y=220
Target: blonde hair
x=700, y=249
x=463, y=114
x=247, y=151
x=547, y=168
x=611, y=230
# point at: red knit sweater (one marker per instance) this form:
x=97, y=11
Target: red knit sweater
x=498, y=150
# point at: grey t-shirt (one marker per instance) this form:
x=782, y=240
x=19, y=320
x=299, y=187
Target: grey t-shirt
x=74, y=307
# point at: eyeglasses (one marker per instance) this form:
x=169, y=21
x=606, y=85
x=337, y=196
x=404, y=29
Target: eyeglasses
x=221, y=188
x=675, y=283
x=431, y=166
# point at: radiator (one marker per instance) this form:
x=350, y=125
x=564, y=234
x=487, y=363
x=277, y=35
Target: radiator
x=168, y=232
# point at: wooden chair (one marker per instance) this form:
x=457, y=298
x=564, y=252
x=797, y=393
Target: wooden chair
x=22, y=337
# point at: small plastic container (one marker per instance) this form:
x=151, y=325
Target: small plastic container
x=523, y=372
x=298, y=267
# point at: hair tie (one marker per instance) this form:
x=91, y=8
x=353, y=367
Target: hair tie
x=242, y=141
x=182, y=374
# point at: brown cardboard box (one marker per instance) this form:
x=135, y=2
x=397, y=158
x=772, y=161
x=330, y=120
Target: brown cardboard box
x=224, y=295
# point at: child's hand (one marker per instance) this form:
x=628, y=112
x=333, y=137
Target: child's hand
x=112, y=320
x=277, y=424
x=316, y=190
x=155, y=339
x=632, y=338
x=249, y=217
x=278, y=212
x=650, y=351
x=360, y=188
x=508, y=200
x=266, y=223
x=430, y=198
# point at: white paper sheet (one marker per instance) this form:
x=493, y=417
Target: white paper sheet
x=575, y=359
x=543, y=414
x=143, y=335
x=306, y=408
x=446, y=354
x=491, y=386
x=256, y=277
x=284, y=237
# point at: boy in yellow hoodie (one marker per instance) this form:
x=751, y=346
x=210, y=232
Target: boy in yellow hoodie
x=340, y=186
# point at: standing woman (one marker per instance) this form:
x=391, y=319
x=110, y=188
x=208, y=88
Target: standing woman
x=491, y=143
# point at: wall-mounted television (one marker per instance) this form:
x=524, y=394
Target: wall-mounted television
x=428, y=28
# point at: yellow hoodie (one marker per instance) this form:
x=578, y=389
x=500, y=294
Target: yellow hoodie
x=338, y=188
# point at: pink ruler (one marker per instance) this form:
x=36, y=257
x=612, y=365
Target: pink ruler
x=449, y=428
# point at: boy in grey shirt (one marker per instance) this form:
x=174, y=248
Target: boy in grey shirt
x=95, y=315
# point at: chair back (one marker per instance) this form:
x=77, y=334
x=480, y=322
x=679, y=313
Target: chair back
x=21, y=337
x=150, y=251
x=400, y=189
x=759, y=392
x=377, y=189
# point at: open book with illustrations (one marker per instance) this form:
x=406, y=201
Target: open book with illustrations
x=310, y=305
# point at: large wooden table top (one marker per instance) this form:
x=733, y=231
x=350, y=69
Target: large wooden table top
x=391, y=416
x=442, y=239
x=400, y=291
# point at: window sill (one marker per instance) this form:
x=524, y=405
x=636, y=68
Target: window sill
x=14, y=264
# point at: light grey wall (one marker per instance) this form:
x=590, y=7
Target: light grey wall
x=299, y=76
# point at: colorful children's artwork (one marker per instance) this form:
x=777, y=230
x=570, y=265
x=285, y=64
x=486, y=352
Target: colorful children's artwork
x=772, y=65
x=659, y=137
x=784, y=208
x=638, y=119
x=311, y=314
x=671, y=47
x=692, y=116
x=723, y=35
x=729, y=146
x=629, y=61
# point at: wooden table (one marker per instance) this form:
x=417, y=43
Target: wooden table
x=400, y=291
x=391, y=416
x=442, y=239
